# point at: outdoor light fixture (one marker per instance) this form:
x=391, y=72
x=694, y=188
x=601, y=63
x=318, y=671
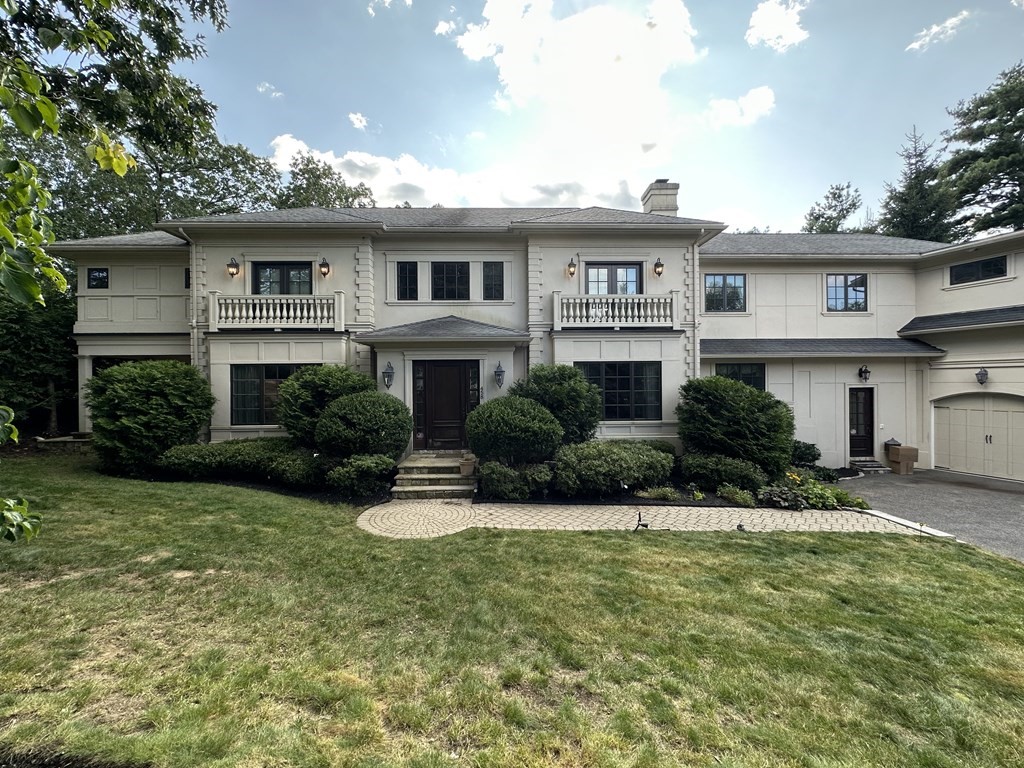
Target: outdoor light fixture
x=982, y=376
x=864, y=373
x=325, y=268
x=233, y=267
x=572, y=267
x=659, y=268
x=499, y=376
x=389, y=375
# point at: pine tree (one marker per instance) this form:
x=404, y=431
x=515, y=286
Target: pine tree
x=831, y=213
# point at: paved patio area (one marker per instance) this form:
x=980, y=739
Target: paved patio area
x=432, y=518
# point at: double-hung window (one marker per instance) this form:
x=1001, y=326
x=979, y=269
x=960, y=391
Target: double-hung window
x=494, y=281
x=846, y=293
x=272, y=279
x=407, y=275
x=254, y=392
x=449, y=281
x=751, y=374
x=725, y=293
x=613, y=278
x=975, y=271
x=631, y=390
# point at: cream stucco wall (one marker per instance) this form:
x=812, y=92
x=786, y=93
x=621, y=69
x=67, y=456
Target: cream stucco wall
x=146, y=293
x=936, y=296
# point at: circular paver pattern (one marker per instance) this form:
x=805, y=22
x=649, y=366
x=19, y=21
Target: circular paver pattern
x=424, y=519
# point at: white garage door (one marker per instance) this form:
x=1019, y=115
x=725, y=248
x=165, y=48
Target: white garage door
x=983, y=434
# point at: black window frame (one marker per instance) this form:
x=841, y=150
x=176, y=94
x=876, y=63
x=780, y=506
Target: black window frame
x=721, y=292
x=494, y=283
x=836, y=293
x=96, y=275
x=978, y=270
x=264, y=398
x=407, y=281
x=285, y=281
x=629, y=403
x=752, y=374
x=449, y=281
x=613, y=284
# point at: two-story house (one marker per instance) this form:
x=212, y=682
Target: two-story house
x=446, y=307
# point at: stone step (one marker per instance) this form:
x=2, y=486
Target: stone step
x=431, y=467
x=462, y=491
x=420, y=479
x=870, y=467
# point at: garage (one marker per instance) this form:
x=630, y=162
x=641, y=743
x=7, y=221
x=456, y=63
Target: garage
x=982, y=434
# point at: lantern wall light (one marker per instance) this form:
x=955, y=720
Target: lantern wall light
x=499, y=376
x=233, y=267
x=659, y=268
x=982, y=376
x=864, y=373
x=389, y=375
x=572, y=267
x=325, y=268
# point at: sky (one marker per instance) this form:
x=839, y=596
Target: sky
x=753, y=107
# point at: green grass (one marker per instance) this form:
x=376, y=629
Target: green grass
x=203, y=625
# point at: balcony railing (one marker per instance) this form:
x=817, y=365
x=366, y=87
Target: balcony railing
x=617, y=311
x=279, y=311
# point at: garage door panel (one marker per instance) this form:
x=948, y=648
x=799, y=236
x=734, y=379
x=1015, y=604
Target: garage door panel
x=981, y=434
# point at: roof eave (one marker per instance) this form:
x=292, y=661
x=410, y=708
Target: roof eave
x=436, y=339
x=951, y=329
x=679, y=229
x=786, y=355
x=174, y=227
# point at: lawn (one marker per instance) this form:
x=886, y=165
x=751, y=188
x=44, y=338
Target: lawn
x=204, y=625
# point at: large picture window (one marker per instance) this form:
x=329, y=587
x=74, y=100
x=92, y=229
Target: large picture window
x=613, y=278
x=631, y=390
x=974, y=271
x=272, y=279
x=449, y=281
x=254, y=392
x=725, y=293
x=751, y=374
x=847, y=293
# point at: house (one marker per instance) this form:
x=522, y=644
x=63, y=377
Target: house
x=867, y=337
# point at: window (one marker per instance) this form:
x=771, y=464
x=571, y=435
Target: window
x=613, y=278
x=97, y=277
x=494, y=281
x=751, y=374
x=725, y=293
x=287, y=278
x=973, y=271
x=188, y=277
x=631, y=391
x=847, y=293
x=254, y=392
x=449, y=281
x=408, y=280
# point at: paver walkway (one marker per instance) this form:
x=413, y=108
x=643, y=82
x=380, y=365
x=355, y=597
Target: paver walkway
x=431, y=518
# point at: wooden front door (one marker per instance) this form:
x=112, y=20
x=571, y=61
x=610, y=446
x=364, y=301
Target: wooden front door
x=862, y=422
x=444, y=392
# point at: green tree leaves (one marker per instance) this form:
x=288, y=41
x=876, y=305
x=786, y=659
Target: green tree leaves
x=316, y=183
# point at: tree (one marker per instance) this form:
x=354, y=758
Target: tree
x=317, y=183
x=921, y=205
x=986, y=168
x=830, y=214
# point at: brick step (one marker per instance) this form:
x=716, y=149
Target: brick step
x=462, y=491
x=421, y=479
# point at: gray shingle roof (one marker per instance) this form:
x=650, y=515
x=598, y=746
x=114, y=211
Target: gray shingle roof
x=817, y=245
x=139, y=240
x=596, y=215
x=282, y=216
x=449, y=328
x=817, y=348
x=955, y=320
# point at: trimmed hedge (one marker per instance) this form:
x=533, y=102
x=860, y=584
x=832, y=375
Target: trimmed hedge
x=306, y=393
x=513, y=430
x=563, y=389
x=363, y=475
x=141, y=409
x=600, y=468
x=707, y=472
x=514, y=484
x=274, y=460
x=365, y=423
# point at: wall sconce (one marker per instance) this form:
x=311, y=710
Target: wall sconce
x=499, y=376
x=572, y=267
x=659, y=268
x=982, y=376
x=325, y=268
x=389, y=375
x=864, y=373
x=233, y=267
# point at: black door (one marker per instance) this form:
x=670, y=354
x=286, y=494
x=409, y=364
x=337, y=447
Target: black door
x=444, y=392
x=862, y=421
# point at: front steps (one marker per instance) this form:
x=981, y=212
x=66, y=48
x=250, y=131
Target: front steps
x=869, y=466
x=433, y=475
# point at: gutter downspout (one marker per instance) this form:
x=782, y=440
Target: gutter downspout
x=193, y=321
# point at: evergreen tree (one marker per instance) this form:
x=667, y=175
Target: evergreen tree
x=831, y=213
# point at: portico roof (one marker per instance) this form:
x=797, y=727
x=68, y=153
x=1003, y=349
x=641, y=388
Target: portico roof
x=448, y=328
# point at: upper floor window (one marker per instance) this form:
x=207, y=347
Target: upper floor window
x=494, y=281
x=751, y=374
x=725, y=293
x=630, y=390
x=973, y=271
x=847, y=293
x=407, y=280
x=97, y=277
x=613, y=278
x=449, y=281
x=272, y=279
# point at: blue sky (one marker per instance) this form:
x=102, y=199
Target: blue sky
x=753, y=107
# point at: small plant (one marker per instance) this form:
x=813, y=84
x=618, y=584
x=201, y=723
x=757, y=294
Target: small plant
x=513, y=430
x=825, y=474
x=695, y=493
x=816, y=495
x=16, y=522
x=781, y=496
x=737, y=496
x=661, y=493
x=845, y=499
x=804, y=454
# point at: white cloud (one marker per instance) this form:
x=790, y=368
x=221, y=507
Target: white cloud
x=385, y=3
x=940, y=33
x=776, y=23
x=746, y=110
x=1017, y=3
x=269, y=89
x=447, y=27
x=358, y=120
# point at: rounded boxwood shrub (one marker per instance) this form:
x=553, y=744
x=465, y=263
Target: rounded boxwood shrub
x=707, y=472
x=513, y=430
x=804, y=454
x=306, y=393
x=600, y=468
x=365, y=423
x=500, y=482
x=566, y=393
x=363, y=475
x=728, y=418
x=141, y=409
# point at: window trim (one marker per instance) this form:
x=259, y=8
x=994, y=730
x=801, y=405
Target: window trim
x=611, y=265
x=257, y=265
x=459, y=265
x=763, y=372
x=633, y=375
x=724, y=275
x=263, y=410
x=846, y=293
x=89, y=277
x=494, y=266
x=978, y=262
x=414, y=274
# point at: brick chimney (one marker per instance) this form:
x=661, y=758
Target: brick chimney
x=660, y=197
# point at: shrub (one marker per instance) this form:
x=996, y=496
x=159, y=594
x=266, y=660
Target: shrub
x=804, y=454
x=566, y=393
x=845, y=499
x=500, y=482
x=365, y=423
x=232, y=459
x=598, y=468
x=306, y=393
x=714, y=471
x=737, y=496
x=513, y=430
x=141, y=409
x=298, y=469
x=661, y=493
x=363, y=475
x=825, y=474
x=781, y=496
x=538, y=478
x=725, y=417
